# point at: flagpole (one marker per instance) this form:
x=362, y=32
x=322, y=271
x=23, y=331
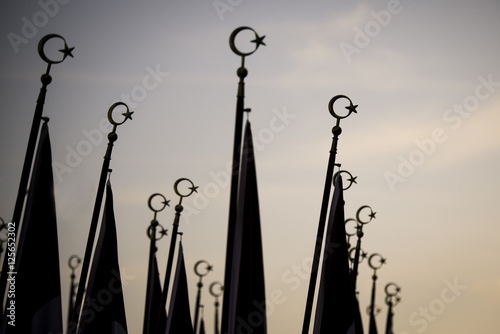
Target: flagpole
x=359, y=233
x=216, y=295
x=375, y=267
x=46, y=79
x=112, y=137
x=391, y=299
x=170, y=260
x=73, y=262
x=336, y=130
x=242, y=72
x=208, y=269
x=151, y=232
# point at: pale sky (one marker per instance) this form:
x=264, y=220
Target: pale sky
x=424, y=143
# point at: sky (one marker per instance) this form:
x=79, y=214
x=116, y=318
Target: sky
x=424, y=144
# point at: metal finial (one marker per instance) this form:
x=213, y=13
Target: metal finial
x=200, y=274
x=192, y=189
x=73, y=262
x=351, y=179
x=371, y=215
x=215, y=285
x=351, y=107
x=258, y=41
x=381, y=261
x=66, y=51
x=208, y=268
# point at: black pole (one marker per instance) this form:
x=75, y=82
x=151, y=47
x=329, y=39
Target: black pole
x=112, y=137
x=30, y=150
x=336, y=130
x=200, y=286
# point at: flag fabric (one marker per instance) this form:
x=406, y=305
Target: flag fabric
x=153, y=299
x=336, y=304
x=35, y=299
x=373, y=324
x=179, y=316
x=247, y=310
x=103, y=307
x=202, y=326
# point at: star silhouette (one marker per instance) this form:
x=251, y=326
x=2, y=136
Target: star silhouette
x=352, y=108
x=372, y=215
x=194, y=188
x=67, y=51
x=353, y=179
x=166, y=202
x=163, y=232
x=128, y=114
x=258, y=41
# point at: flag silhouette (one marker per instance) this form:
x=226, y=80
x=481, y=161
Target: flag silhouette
x=37, y=297
x=153, y=299
x=336, y=306
x=373, y=324
x=247, y=310
x=179, y=316
x=202, y=326
x=103, y=306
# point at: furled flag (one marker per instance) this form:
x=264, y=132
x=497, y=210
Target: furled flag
x=153, y=298
x=179, y=316
x=336, y=306
x=373, y=324
x=34, y=287
x=247, y=310
x=103, y=306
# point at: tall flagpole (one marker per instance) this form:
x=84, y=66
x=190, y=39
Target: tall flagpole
x=170, y=260
x=112, y=137
x=30, y=150
x=336, y=130
x=242, y=72
x=150, y=319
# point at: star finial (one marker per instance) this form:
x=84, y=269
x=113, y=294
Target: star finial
x=163, y=232
x=194, y=188
x=166, y=202
x=258, y=41
x=353, y=179
x=352, y=108
x=128, y=114
x=382, y=261
x=372, y=215
x=67, y=51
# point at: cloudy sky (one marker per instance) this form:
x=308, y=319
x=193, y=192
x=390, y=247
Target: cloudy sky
x=424, y=143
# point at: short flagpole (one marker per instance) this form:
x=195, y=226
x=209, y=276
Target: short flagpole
x=391, y=299
x=46, y=79
x=170, y=260
x=336, y=130
x=112, y=137
x=200, y=274
x=73, y=262
x=216, y=295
